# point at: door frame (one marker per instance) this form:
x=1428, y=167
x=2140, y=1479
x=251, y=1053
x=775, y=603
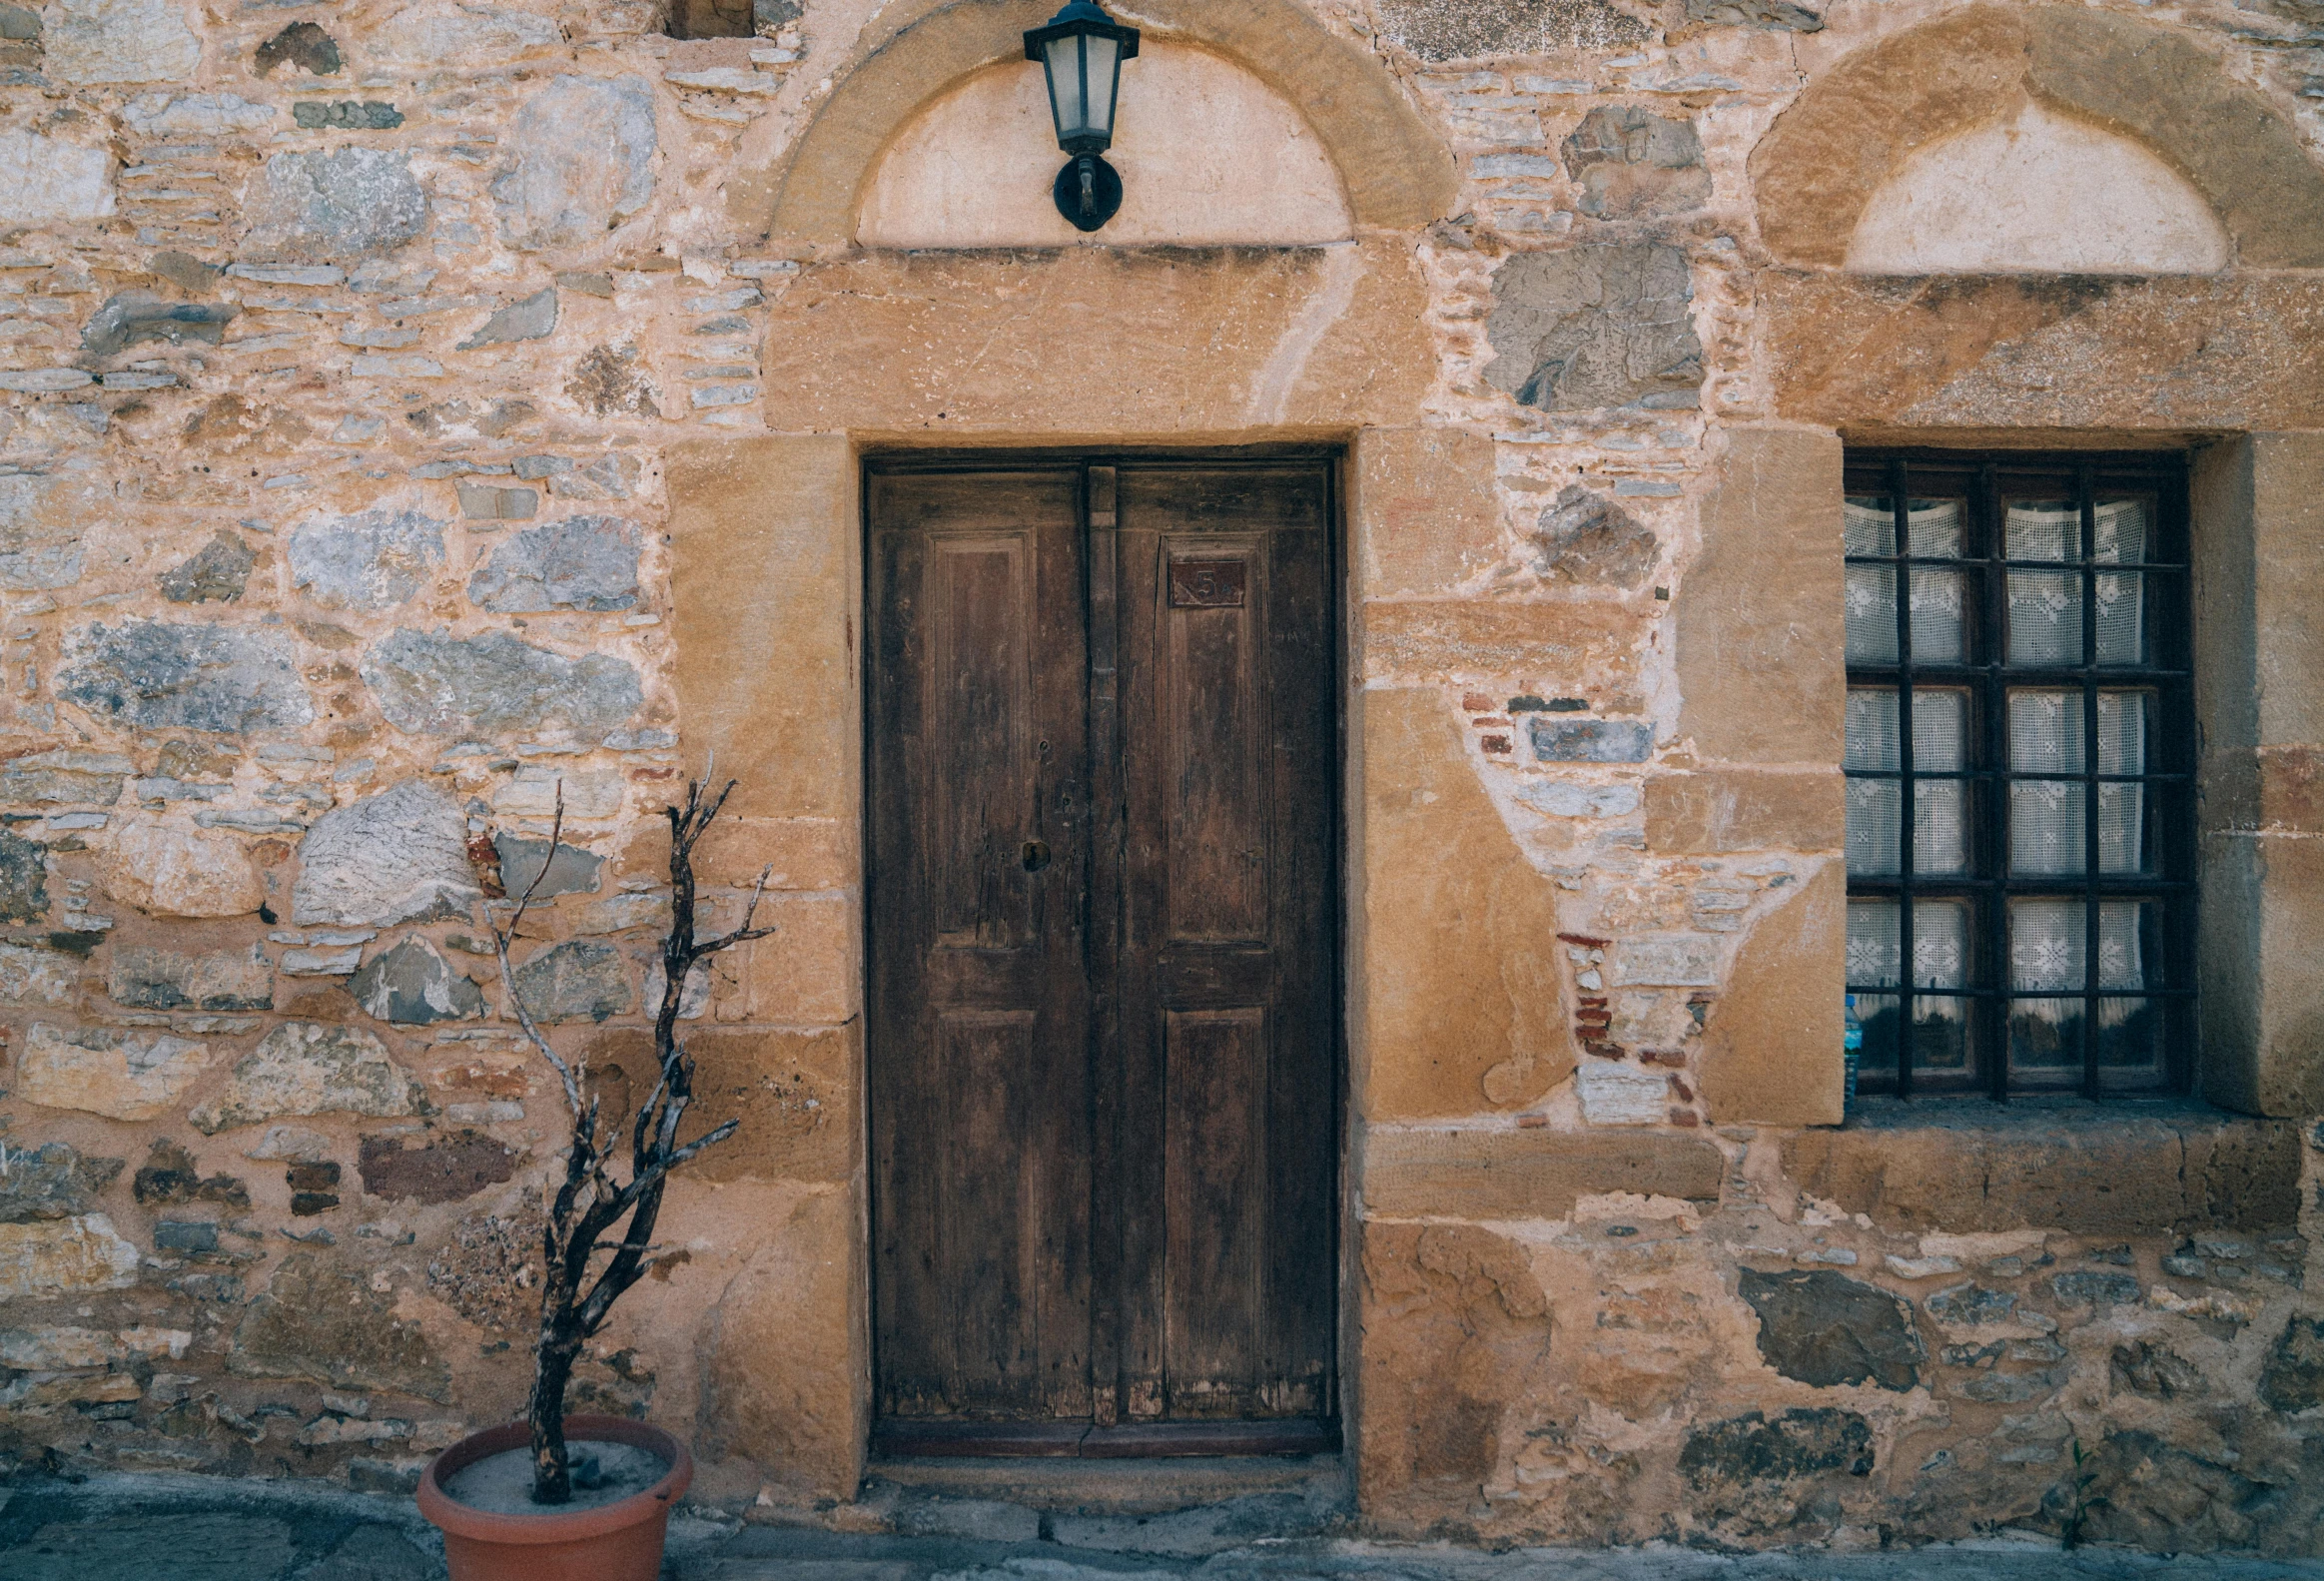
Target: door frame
x=1131, y=1441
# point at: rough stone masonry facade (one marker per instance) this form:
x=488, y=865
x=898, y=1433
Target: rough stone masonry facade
x=410, y=409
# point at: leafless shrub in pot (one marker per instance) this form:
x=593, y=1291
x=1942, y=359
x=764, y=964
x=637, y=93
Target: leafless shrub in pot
x=589, y=1206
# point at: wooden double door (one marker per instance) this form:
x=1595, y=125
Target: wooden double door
x=1104, y=977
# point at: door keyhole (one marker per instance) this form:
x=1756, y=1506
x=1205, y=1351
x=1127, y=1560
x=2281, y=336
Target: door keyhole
x=1036, y=855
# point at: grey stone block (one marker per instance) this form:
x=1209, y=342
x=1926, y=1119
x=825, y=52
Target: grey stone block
x=1601, y=326
x=529, y=320
x=302, y=44
x=184, y=1234
x=584, y=162
x=216, y=572
x=1587, y=540
x=340, y=205
x=572, y=871
x=52, y=1181
x=576, y=980
x=374, y=560
x=23, y=878
x=490, y=502
x=1632, y=163
x=1755, y=13
x=1438, y=30
x=153, y=674
x=399, y=856
x=1827, y=1329
x=1591, y=740
x=149, y=978
x=441, y=685
x=137, y=315
x=348, y=115
x=413, y=986
x=582, y=562
x=2087, y=1288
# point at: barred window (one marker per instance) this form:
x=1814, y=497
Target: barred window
x=2019, y=762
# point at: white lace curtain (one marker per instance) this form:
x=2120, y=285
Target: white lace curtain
x=2047, y=731
x=2045, y=605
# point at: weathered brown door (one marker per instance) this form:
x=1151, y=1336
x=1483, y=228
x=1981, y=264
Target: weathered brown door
x=1102, y=974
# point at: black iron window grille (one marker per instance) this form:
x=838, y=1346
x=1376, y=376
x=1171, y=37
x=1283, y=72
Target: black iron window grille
x=2020, y=766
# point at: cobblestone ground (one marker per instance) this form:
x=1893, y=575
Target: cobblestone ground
x=156, y=1528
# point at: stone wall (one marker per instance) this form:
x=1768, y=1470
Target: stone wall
x=413, y=409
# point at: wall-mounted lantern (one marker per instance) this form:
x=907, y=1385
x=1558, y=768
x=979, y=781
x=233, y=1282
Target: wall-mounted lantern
x=1082, y=49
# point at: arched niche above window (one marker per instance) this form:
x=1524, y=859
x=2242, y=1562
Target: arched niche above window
x=1209, y=154
x=1862, y=125
x=2037, y=192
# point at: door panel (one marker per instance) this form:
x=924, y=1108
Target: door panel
x=982, y=777
x=1104, y=1085
x=1214, y=1202
x=1213, y=744
x=1228, y=967
x=978, y=1004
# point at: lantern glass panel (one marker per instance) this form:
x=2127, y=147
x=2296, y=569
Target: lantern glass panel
x=1081, y=85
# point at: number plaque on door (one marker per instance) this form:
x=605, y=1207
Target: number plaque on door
x=1206, y=584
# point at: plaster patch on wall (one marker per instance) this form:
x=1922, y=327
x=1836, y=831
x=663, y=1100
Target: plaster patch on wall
x=2038, y=192
x=1271, y=394
x=1208, y=155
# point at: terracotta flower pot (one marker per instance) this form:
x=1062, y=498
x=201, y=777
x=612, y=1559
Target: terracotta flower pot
x=621, y=1541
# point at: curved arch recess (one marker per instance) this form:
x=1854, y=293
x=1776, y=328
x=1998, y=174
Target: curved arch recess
x=1826, y=155
x=1398, y=171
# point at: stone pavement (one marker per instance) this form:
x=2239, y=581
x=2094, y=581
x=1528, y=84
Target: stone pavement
x=120, y=1527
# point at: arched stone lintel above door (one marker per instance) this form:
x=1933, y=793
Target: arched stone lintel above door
x=1398, y=171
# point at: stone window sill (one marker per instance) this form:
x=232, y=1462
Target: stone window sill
x=2118, y=1168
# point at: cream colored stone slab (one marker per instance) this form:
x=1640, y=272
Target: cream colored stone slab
x=170, y=871
x=2038, y=192
x=2101, y=1172
x=1427, y=511
x=1744, y=810
x=1771, y=1041
x=1459, y=993
x=1209, y=154
x=1399, y=171
x=1201, y=346
x=2286, y=1074
x=795, y=853
x=1620, y=1095
x=1567, y=645
x=2287, y=512
x=2259, y=519
x=1988, y=357
x=763, y=581
x=1528, y=1173
x=787, y=1356
x=1758, y=618
x=31, y=975
x=64, y=1257
x=796, y=1094
x=123, y=1076
x=807, y=971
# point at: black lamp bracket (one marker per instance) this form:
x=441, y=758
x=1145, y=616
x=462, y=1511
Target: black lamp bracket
x=1089, y=191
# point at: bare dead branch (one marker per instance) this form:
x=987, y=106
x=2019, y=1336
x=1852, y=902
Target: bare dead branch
x=587, y=1205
